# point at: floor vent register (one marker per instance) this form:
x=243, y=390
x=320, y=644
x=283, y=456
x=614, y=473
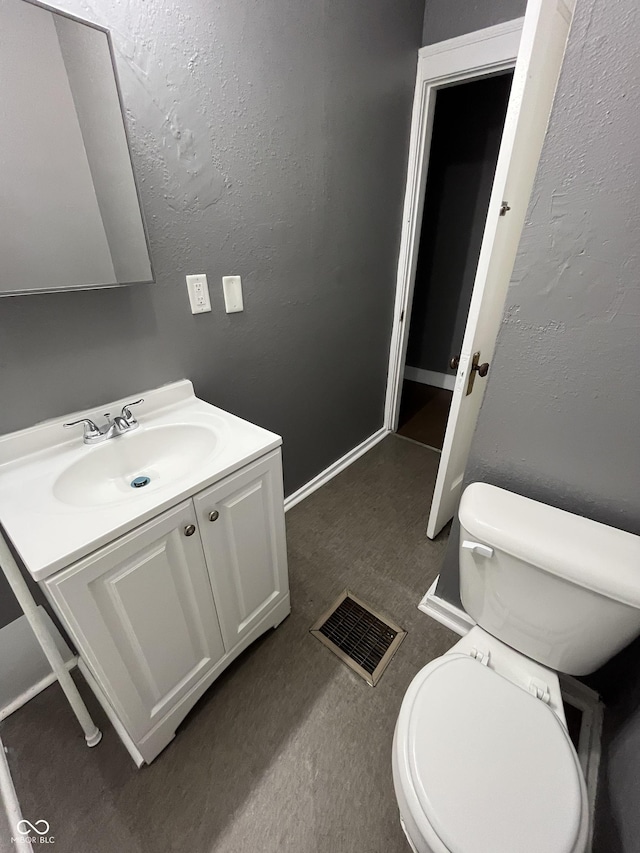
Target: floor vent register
x=360, y=637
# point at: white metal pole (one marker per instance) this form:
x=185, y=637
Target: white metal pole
x=92, y=733
x=8, y=792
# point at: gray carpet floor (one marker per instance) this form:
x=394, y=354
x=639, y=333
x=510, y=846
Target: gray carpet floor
x=289, y=750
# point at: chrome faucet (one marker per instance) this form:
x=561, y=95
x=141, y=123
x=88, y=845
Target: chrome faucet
x=122, y=423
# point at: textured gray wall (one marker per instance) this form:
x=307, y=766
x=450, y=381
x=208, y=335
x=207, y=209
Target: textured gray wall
x=9, y=607
x=562, y=401
x=270, y=141
x=445, y=19
x=560, y=417
x=462, y=162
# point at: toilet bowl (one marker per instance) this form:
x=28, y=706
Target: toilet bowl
x=482, y=759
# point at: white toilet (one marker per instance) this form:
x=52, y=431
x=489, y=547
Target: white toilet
x=482, y=760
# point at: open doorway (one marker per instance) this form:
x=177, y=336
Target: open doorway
x=532, y=50
x=467, y=130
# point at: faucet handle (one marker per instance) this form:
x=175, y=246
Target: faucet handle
x=126, y=410
x=91, y=430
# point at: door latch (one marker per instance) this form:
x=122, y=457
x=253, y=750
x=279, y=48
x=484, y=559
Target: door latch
x=480, y=369
x=504, y=207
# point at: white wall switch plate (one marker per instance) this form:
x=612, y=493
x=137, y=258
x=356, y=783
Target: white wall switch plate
x=198, y=293
x=232, y=286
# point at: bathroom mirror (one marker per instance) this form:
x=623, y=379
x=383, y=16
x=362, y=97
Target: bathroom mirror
x=70, y=216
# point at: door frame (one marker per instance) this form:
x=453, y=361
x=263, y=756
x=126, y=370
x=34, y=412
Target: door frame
x=482, y=53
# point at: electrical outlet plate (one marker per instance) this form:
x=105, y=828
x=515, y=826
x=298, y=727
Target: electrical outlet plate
x=198, y=290
x=232, y=287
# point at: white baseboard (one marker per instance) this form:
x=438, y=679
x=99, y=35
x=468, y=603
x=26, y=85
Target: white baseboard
x=574, y=692
x=24, y=669
x=430, y=377
x=338, y=466
x=445, y=612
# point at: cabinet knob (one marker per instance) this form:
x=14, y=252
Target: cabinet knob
x=189, y=530
x=214, y=515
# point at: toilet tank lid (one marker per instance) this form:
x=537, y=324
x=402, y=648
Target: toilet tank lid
x=585, y=552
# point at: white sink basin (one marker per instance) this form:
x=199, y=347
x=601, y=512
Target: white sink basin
x=160, y=454
x=61, y=499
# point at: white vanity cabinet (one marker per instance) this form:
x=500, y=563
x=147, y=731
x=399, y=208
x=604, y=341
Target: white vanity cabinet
x=142, y=613
x=242, y=528
x=159, y=613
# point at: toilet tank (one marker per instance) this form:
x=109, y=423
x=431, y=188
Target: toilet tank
x=557, y=587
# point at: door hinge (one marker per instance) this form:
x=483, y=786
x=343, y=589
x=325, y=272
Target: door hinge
x=540, y=690
x=504, y=207
x=481, y=655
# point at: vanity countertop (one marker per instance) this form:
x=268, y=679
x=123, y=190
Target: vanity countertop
x=61, y=499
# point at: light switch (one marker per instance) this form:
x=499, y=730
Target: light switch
x=232, y=287
x=198, y=293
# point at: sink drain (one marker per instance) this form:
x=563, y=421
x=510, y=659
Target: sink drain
x=139, y=482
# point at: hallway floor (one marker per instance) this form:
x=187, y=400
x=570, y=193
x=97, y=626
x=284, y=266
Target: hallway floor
x=424, y=411
x=289, y=750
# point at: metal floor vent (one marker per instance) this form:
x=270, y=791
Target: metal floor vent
x=360, y=637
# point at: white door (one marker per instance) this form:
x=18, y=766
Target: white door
x=544, y=36
x=242, y=527
x=142, y=614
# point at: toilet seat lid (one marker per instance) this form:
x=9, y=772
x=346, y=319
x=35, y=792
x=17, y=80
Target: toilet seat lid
x=491, y=766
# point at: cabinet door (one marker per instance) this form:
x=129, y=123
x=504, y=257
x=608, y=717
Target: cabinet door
x=242, y=527
x=141, y=611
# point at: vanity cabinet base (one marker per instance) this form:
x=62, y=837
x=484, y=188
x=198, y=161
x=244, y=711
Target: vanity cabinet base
x=159, y=613
x=152, y=744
